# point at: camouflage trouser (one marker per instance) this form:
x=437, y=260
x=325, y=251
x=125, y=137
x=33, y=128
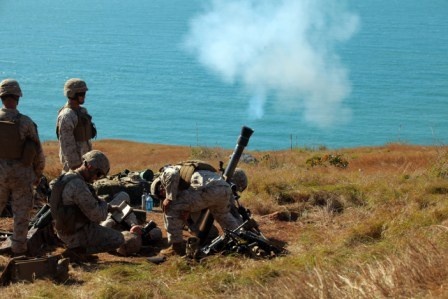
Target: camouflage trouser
x=118, y=198
x=94, y=238
x=16, y=185
x=215, y=198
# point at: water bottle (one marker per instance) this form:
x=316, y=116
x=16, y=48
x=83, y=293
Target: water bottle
x=143, y=204
x=149, y=203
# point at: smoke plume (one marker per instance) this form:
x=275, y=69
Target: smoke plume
x=283, y=48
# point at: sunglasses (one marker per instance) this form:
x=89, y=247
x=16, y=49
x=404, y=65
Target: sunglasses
x=100, y=174
x=10, y=96
x=80, y=94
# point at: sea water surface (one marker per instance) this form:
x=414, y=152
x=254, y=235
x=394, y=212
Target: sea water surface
x=145, y=86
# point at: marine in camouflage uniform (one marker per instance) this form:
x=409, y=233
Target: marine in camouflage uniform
x=207, y=190
x=22, y=162
x=74, y=126
x=83, y=231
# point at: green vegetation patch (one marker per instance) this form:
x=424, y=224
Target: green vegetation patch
x=366, y=232
x=438, y=188
x=336, y=160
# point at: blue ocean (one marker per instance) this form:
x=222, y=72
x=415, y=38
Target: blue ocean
x=300, y=73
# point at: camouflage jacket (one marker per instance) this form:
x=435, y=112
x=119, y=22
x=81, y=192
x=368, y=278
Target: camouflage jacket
x=77, y=192
x=200, y=179
x=70, y=150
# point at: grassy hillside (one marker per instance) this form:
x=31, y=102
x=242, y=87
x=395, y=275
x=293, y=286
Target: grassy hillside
x=359, y=223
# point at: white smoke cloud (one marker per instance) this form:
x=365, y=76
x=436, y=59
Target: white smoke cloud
x=280, y=47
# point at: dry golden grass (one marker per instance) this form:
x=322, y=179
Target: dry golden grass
x=123, y=155
x=375, y=229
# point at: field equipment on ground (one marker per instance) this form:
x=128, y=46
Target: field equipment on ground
x=133, y=183
x=40, y=234
x=246, y=239
x=151, y=233
x=23, y=268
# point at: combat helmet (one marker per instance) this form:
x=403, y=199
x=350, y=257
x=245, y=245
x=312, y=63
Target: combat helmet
x=74, y=86
x=239, y=178
x=98, y=160
x=10, y=86
x=155, y=186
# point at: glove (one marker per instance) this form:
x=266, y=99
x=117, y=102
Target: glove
x=136, y=229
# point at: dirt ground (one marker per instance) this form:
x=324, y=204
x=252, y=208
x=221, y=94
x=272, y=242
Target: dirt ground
x=272, y=226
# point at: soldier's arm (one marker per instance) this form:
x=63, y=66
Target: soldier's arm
x=88, y=142
x=39, y=160
x=170, y=180
x=30, y=132
x=93, y=208
x=67, y=121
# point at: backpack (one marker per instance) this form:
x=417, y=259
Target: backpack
x=66, y=216
x=84, y=130
x=125, y=181
x=188, y=168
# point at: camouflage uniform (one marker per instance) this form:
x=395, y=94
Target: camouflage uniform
x=74, y=125
x=70, y=150
x=207, y=190
x=16, y=179
x=91, y=236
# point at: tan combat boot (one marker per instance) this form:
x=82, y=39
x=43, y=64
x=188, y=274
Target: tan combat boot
x=174, y=249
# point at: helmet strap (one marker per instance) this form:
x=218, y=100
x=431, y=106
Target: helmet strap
x=74, y=102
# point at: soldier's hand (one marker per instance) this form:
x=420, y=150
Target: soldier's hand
x=184, y=215
x=36, y=182
x=165, y=204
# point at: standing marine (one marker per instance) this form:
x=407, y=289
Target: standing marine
x=74, y=126
x=22, y=162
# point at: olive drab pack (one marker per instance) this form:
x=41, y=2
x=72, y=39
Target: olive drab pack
x=128, y=181
x=85, y=129
x=12, y=145
x=188, y=168
x=20, y=269
x=68, y=217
